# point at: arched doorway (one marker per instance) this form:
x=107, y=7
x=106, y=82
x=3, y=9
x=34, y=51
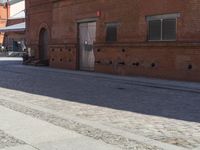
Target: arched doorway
x=43, y=44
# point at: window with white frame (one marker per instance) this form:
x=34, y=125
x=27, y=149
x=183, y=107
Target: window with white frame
x=162, y=27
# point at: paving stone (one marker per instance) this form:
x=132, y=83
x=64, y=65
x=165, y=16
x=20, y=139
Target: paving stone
x=109, y=138
x=166, y=115
x=177, y=132
x=8, y=141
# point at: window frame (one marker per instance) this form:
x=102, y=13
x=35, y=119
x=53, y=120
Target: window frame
x=116, y=24
x=149, y=30
x=161, y=18
x=162, y=38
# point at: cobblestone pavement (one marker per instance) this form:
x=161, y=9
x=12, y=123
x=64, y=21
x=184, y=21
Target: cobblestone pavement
x=168, y=116
x=8, y=141
x=107, y=137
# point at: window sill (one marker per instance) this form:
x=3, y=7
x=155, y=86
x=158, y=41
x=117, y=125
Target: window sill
x=162, y=40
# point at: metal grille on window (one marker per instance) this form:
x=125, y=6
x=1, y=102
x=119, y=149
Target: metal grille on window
x=111, y=32
x=155, y=30
x=169, y=29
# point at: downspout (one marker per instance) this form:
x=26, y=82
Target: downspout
x=8, y=9
x=7, y=16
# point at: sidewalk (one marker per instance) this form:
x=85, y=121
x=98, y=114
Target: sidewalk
x=185, y=86
x=40, y=131
x=140, y=81
x=40, y=135
x=96, y=127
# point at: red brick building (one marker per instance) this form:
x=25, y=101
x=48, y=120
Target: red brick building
x=4, y=14
x=12, y=24
x=131, y=37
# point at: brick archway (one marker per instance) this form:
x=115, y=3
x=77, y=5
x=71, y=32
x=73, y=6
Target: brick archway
x=43, y=42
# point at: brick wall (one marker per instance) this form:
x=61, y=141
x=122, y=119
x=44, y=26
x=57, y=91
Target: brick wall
x=132, y=54
x=3, y=20
x=15, y=21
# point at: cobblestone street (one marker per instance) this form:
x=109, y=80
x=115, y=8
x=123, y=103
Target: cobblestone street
x=105, y=111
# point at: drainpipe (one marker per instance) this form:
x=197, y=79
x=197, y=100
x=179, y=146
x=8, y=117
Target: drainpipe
x=8, y=9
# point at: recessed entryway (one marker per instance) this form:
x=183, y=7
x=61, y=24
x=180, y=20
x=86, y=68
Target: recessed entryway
x=43, y=44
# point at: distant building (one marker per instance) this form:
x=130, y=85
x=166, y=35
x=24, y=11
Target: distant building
x=154, y=38
x=13, y=29
x=4, y=13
